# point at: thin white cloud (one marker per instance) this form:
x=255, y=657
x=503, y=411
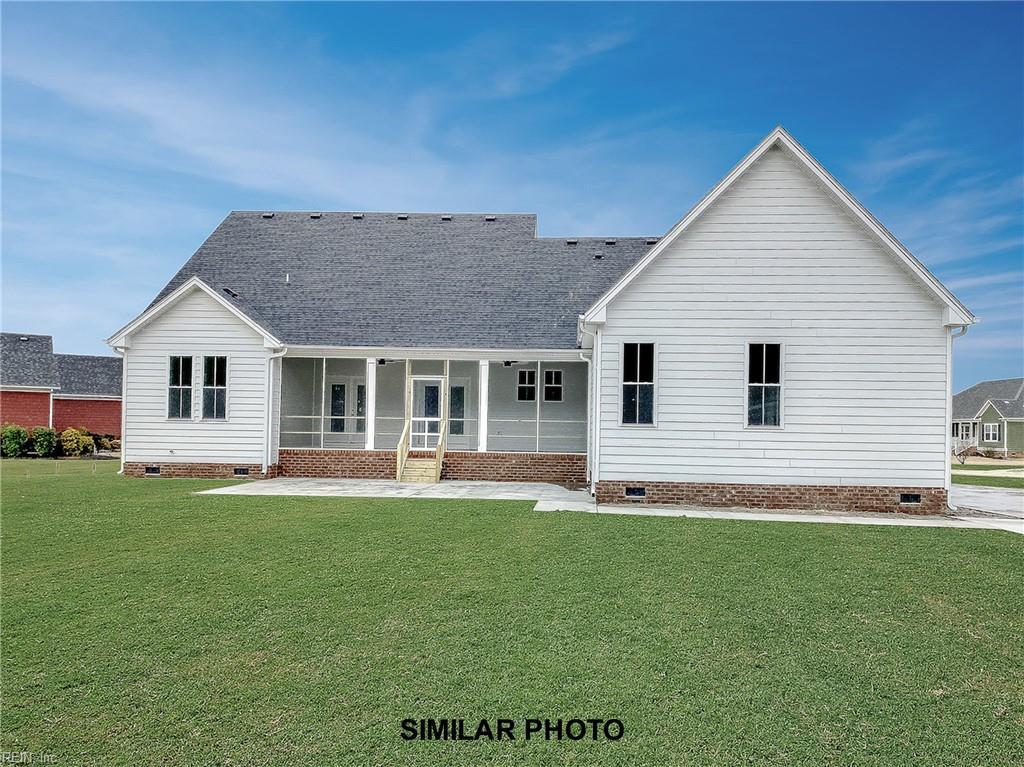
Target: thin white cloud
x=1014, y=281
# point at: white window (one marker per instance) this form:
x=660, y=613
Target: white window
x=764, y=385
x=991, y=432
x=552, y=385
x=526, y=388
x=179, y=388
x=638, y=384
x=215, y=388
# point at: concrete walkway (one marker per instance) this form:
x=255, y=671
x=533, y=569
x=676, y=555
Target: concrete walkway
x=556, y=498
x=895, y=520
x=1006, y=502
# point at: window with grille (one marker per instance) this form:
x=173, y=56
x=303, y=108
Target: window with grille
x=638, y=384
x=215, y=388
x=764, y=385
x=179, y=388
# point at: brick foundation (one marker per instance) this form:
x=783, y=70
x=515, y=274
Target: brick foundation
x=200, y=470
x=850, y=498
x=566, y=469
x=339, y=464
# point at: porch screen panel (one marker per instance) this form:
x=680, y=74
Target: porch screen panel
x=301, y=407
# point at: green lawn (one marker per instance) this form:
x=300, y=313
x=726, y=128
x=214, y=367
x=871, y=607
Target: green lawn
x=984, y=466
x=1013, y=482
x=143, y=625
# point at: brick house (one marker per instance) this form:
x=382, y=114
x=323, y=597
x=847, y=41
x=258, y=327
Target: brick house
x=28, y=376
x=777, y=347
x=40, y=388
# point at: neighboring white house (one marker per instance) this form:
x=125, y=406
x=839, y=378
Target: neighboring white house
x=777, y=348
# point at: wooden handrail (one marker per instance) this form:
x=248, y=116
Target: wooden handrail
x=403, y=450
x=442, y=442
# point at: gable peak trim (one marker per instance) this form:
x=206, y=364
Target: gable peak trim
x=957, y=313
x=191, y=284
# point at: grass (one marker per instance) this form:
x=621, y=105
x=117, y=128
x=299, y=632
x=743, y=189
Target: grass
x=969, y=479
x=146, y=625
x=985, y=466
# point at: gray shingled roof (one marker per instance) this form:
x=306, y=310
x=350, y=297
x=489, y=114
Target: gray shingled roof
x=86, y=374
x=424, y=281
x=27, y=360
x=1006, y=395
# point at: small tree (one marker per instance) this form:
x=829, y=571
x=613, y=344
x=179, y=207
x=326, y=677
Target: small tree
x=45, y=440
x=71, y=442
x=13, y=440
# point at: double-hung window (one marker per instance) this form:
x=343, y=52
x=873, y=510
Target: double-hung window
x=179, y=388
x=764, y=385
x=215, y=388
x=991, y=432
x=552, y=385
x=638, y=384
x=526, y=388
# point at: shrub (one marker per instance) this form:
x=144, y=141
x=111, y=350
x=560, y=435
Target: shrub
x=13, y=441
x=45, y=440
x=71, y=442
x=88, y=446
x=104, y=443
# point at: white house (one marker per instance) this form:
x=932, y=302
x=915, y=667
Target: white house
x=778, y=347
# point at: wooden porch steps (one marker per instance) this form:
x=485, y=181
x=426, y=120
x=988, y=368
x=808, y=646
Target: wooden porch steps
x=420, y=470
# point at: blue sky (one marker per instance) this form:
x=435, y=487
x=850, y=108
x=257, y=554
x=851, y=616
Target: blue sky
x=129, y=130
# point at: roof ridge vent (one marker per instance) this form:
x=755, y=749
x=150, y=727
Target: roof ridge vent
x=268, y=214
x=490, y=217
x=403, y=216
x=446, y=217
x=609, y=242
x=572, y=242
x=651, y=240
x=357, y=216
x=316, y=215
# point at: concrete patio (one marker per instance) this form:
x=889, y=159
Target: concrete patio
x=557, y=498
x=554, y=497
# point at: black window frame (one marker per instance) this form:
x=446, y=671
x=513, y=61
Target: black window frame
x=526, y=391
x=179, y=388
x=764, y=382
x=215, y=394
x=555, y=385
x=638, y=374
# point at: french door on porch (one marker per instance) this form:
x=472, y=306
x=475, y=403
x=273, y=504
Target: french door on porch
x=427, y=412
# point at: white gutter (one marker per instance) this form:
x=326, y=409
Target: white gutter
x=270, y=407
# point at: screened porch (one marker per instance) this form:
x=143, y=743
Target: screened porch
x=336, y=403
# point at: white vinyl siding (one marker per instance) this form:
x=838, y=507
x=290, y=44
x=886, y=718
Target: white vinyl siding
x=865, y=353
x=196, y=326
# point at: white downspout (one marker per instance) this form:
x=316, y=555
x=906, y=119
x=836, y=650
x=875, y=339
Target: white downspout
x=593, y=413
x=270, y=409
x=949, y=411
